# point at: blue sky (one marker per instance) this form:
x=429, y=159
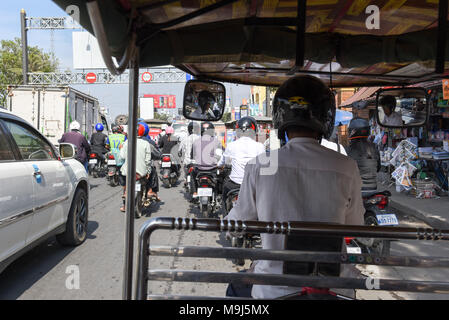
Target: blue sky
x=113, y=96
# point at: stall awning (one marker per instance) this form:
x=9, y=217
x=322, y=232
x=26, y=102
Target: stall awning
x=363, y=94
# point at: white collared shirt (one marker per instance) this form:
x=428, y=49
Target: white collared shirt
x=333, y=146
x=239, y=152
x=394, y=119
x=197, y=114
x=307, y=182
x=186, y=148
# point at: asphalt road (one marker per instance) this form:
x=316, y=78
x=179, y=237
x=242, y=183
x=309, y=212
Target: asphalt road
x=42, y=272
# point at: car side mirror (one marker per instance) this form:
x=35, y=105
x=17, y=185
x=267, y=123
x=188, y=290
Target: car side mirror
x=204, y=100
x=67, y=151
x=402, y=107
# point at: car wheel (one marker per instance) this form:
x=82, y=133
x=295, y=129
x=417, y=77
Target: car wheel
x=77, y=220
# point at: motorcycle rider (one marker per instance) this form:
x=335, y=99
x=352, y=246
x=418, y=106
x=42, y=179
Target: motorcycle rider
x=98, y=141
x=205, y=152
x=301, y=181
x=161, y=135
x=185, y=148
x=206, y=101
x=82, y=145
x=364, y=152
x=143, y=160
x=239, y=152
x=115, y=139
x=168, y=145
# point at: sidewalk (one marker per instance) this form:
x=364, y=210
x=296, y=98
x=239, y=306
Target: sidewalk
x=434, y=212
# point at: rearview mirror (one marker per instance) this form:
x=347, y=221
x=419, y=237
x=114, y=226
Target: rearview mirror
x=402, y=107
x=204, y=100
x=67, y=151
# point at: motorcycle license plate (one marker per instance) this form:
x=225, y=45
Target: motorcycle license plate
x=188, y=178
x=354, y=250
x=166, y=164
x=387, y=219
x=93, y=161
x=205, y=192
x=138, y=188
x=111, y=162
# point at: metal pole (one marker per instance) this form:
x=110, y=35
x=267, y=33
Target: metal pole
x=24, y=46
x=131, y=175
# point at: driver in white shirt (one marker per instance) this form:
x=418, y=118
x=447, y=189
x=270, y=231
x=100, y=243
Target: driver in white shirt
x=392, y=118
x=206, y=101
x=239, y=152
x=302, y=181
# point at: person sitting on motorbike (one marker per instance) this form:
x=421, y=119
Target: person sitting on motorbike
x=98, y=141
x=206, y=101
x=75, y=137
x=168, y=145
x=364, y=152
x=239, y=152
x=301, y=181
x=185, y=147
x=115, y=139
x=161, y=135
x=143, y=161
x=205, y=152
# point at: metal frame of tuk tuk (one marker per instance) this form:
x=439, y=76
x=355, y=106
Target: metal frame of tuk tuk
x=145, y=274
x=130, y=60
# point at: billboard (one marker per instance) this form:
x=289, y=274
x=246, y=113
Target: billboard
x=163, y=101
x=146, y=108
x=86, y=52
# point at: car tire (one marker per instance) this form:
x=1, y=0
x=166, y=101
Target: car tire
x=77, y=221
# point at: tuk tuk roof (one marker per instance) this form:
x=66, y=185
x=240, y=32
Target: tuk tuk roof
x=254, y=41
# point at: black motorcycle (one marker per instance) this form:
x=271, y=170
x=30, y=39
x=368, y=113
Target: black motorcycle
x=169, y=171
x=113, y=170
x=141, y=198
x=96, y=164
x=208, y=191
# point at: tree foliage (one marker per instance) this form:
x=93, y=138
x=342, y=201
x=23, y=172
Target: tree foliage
x=160, y=116
x=226, y=117
x=11, y=64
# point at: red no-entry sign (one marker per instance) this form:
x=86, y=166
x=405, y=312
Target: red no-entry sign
x=91, y=77
x=147, y=77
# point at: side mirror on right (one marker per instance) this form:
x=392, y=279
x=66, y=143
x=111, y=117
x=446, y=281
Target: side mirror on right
x=402, y=107
x=67, y=151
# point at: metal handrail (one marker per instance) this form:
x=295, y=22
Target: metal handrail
x=284, y=228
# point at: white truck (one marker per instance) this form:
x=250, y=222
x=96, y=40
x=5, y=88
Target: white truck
x=51, y=109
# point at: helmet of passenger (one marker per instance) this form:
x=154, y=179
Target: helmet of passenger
x=207, y=128
x=115, y=128
x=120, y=129
x=142, y=129
x=304, y=101
x=246, y=123
x=164, y=127
x=169, y=130
x=99, y=127
x=75, y=125
x=358, y=129
x=204, y=98
x=193, y=127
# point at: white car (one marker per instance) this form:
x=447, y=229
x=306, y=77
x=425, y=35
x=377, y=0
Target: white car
x=42, y=193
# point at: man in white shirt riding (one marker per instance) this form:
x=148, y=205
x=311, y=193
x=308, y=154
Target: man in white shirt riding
x=308, y=182
x=185, y=148
x=239, y=152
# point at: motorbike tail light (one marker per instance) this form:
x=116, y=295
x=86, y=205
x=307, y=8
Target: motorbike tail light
x=166, y=159
x=383, y=202
x=204, y=186
x=348, y=239
x=191, y=169
x=93, y=155
x=111, y=157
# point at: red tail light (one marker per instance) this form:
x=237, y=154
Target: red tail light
x=349, y=239
x=111, y=157
x=191, y=169
x=204, y=186
x=383, y=202
x=93, y=155
x=166, y=159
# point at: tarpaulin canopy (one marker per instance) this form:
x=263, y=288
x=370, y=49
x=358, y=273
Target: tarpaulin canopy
x=363, y=94
x=254, y=41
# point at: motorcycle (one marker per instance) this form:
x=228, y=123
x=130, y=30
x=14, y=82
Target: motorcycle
x=142, y=201
x=188, y=173
x=113, y=170
x=95, y=164
x=208, y=193
x=169, y=171
x=376, y=214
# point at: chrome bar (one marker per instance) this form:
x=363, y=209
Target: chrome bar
x=302, y=256
x=299, y=281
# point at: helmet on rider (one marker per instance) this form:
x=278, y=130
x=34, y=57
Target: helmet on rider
x=164, y=127
x=120, y=129
x=207, y=128
x=205, y=100
x=304, y=101
x=99, y=127
x=358, y=129
x=169, y=130
x=142, y=129
x=75, y=125
x=193, y=127
x=115, y=128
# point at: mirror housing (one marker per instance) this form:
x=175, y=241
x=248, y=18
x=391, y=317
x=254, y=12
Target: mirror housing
x=67, y=151
x=204, y=100
x=407, y=107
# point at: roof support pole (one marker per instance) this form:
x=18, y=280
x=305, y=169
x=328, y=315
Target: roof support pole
x=300, y=36
x=131, y=175
x=23, y=25
x=441, y=42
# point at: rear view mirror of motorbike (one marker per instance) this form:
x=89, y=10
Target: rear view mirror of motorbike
x=402, y=107
x=204, y=100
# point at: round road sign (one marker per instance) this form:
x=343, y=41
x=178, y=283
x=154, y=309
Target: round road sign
x=91, y=77
x=147, y=77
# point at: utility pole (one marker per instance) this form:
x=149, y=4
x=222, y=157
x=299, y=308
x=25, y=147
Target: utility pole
x=24, y=46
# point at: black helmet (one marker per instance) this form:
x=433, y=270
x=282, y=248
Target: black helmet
x=246, y=123
x=207, y=126
x=205, y=97
x=304, y=101
x=193, y=127
x=358, y=128
x=115, y=128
